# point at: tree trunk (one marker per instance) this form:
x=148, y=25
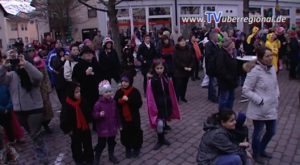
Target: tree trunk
x=246, y=14
x=113, y=23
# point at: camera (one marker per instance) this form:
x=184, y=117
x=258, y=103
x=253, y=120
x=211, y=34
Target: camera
x=14, y=62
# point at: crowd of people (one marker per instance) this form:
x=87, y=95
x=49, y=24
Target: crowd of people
x=80, y=76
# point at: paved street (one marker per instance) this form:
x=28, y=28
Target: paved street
x=186, y=134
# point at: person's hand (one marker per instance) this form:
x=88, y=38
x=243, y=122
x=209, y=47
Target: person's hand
x=149, y=75
x=62, y=58
x=22, y=60
x=249, y=155
x=89, y=71
x=244, y=144
x=102, y=113
x=125, y=98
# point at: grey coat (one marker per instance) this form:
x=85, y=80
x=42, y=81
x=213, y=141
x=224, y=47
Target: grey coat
x=21, y=99
x=261, y=85
x=215, y=142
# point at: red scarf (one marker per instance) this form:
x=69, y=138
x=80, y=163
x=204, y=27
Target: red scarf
x=167, y=50
x=125, y=108
x=80, y=122
x=197, y=50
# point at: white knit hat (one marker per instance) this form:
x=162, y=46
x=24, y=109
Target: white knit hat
x=106, y=40
x=104, y=86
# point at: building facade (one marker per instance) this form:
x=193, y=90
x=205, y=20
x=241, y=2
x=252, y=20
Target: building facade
x=155, y=14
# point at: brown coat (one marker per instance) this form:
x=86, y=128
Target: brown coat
x=45, y=91
x=183, y=57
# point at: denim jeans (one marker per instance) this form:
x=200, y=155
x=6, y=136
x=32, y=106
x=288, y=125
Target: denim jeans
x=228, y=160
x=226, y=98
x=213, y=89
x=259, y=144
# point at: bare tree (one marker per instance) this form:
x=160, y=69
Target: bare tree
x=58, y=13
x=246, y=14
x=110, y=9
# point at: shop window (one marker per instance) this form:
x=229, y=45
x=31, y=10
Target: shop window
x=159, y=23
x=254, y=12
x=190, y=10
x=123, y=13
x=159, y=11
x=298, y=12
x=268, y=12
x=284, y=12
x=139, y=18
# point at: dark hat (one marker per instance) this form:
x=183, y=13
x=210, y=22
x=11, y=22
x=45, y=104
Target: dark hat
x=127, y=77
x=86, y=49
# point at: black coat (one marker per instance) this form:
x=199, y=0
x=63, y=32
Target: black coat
x=146, y=56
x=183, y=57
x=226, y=70
x=109, y=64
x=283, y=45
x=161, y=96
x=88, y=84
x=134, y=102
x=128, y=63
x=294, y=49
x=211, y=52
x=68, y=118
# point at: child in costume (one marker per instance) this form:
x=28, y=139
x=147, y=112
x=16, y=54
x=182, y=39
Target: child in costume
x=106, y=119
x=129, y=101
x=274, y=44
x=73, y=121
x=161, y=101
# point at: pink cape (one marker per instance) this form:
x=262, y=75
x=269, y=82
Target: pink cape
x=152, y=109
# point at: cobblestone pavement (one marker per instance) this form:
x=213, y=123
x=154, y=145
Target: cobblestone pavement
x=186, y=134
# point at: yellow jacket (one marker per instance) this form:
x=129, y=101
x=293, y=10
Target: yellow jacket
x=273, y=45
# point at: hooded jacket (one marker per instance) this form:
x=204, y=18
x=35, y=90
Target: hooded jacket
x=22, y=99
x=217, y=141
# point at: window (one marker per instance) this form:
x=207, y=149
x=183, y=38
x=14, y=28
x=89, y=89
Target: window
x=14, y=26
x=24, y=27
x=26, y=40
x=123, y=13
x=254, y=12
x=190, y=10
x=92, y=13
x=268, y=12
x=284, y=12
x=159, y=11
x=298, y=12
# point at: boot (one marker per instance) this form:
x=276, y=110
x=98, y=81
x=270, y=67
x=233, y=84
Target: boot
x=111, y=151
x=160, y=139
x=164, y=141
x=128, y=153
x=136, y=153
x=98, y=153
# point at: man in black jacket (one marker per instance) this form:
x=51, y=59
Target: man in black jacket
x=146, y=54
x=211, y=51
x=226, y=73
x=87, y=73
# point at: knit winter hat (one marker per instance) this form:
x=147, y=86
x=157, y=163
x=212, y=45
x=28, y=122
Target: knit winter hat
x=104, y=86
x=106, y=40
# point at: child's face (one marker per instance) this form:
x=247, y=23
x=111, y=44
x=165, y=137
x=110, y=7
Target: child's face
x=77, y=94
x=107, y=94
x=125, y=84
x=159, y=69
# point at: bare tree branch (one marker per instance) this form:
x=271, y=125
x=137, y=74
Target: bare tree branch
x=92, y=7
x=118, y=2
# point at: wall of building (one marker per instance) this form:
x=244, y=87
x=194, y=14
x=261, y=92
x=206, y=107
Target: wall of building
x=25, y=29
x=80, y=20
x=3, y=36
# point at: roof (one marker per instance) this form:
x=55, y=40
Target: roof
x=16, y=6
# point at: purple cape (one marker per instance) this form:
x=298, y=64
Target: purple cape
x=152, y=109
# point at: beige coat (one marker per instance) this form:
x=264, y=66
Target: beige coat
x=261, y=84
